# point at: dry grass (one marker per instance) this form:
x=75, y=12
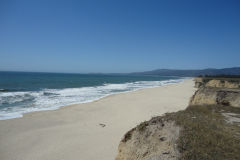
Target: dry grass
x=206, y=135
x=142, y=126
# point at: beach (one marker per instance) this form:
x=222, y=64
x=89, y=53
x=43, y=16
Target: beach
x=89, y=131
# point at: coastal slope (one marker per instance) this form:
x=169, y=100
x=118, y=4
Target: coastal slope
x=209, y=128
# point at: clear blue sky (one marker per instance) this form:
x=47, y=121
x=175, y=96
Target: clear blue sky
x=118, y=35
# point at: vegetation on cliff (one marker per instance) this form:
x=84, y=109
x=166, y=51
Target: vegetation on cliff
x=208, y=129
x=207, y=134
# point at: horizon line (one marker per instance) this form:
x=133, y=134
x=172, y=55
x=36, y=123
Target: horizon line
x=110, y=72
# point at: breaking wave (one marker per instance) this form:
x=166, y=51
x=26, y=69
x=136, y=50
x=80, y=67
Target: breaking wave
x=15, y=104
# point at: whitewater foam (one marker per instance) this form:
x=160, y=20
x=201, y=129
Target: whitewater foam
x=18, y=103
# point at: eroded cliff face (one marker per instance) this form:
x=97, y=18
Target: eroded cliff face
x=151, y=140
x=222, y=84
x=217, y=92
x=229, y=83
x=195, y=133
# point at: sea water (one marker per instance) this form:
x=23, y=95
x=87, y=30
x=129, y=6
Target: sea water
x=23, y=92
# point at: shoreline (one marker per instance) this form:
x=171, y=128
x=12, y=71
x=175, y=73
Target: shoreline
x=102, y=98
x=91, y=130
x=90, y=101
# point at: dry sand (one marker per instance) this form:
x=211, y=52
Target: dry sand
x=75, y=132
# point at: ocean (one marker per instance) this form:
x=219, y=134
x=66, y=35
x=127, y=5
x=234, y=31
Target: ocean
x=23, y=92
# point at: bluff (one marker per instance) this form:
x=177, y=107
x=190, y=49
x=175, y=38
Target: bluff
x=215, y=91
x=208, y=129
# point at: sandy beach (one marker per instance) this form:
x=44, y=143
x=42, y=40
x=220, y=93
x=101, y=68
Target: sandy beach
x=90, y=131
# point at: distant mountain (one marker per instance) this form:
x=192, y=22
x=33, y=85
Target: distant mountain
x=191, y=73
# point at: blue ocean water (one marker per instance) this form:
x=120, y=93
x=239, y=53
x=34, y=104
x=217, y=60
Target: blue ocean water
x=23, y=92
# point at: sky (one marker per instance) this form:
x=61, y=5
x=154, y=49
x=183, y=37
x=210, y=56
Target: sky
x=117, y=36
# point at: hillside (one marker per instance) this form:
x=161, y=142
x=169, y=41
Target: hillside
x=191, y=73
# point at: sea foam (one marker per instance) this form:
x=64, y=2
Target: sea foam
x=17, y=103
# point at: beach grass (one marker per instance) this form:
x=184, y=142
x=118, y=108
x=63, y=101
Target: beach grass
x=206, y=134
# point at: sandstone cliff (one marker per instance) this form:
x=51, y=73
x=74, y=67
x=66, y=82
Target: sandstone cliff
x=152, y=140
x=208, y=129
x=217, y=82
x=217, y=92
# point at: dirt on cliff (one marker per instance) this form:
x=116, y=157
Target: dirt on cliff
x=208, y=129
x=217, y=82
x=199, y=132
x=152, y=140
x=216, y=96
x=220, y=91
